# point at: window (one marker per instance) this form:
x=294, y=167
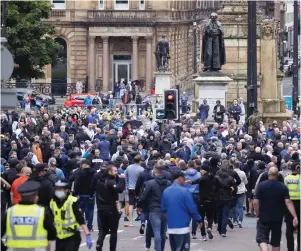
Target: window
x=101, y=5
x=141, y=4
x=121, y=4
x=59, y=4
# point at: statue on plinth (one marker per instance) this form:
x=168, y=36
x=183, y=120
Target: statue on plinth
x=162, y=54
x=213, y=47
x=254, y=124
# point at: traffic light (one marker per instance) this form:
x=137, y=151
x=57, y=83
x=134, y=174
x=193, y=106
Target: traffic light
x=171, y=104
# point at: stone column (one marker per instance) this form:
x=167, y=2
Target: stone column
x=135, y=58
x=106, y=63
x=148, y=68
x=92, y=80
x=268, y=60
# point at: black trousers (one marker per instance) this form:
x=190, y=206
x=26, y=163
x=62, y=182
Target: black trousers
x=206, y=208
x=71, y=243
x=290, y=228
x=108, y=222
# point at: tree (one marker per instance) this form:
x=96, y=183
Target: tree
x=28, y=37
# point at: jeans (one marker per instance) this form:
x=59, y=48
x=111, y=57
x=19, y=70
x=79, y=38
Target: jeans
x=206, y=208
x=108, y=222
x=223, y=214
x=159, y=225
x=87, y=206
x=239, y=210
x=194, y=226
x=232, y=208
x=149, y=230
x=179, y=242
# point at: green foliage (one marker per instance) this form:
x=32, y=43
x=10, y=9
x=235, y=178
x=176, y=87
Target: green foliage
x=28, y=39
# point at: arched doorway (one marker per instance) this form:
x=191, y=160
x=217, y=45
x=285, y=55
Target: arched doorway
x=59, y=69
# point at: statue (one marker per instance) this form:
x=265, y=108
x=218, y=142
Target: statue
x=162, y=54
x=254, y=124
x=213, y=48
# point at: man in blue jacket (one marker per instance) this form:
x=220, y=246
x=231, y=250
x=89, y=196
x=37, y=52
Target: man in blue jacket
x=177, y=202
x=104, y=147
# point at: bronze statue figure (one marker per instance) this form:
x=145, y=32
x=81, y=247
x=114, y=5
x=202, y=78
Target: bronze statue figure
x=254, y=124
x=162, y=54
x=213, y=47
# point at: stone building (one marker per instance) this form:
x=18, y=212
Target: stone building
x=107, y=40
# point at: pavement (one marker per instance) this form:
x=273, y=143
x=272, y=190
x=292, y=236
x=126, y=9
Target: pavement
x=238, y=239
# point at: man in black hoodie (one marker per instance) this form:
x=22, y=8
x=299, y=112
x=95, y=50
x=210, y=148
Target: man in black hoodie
x=46, y=190
x=107, y=185
x=82, y=184
x=225, y=187
x=151, y=198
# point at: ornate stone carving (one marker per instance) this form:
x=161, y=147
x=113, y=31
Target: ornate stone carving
x=91, y=39
x=105, y=39
x=267, y=31
x=135, y=39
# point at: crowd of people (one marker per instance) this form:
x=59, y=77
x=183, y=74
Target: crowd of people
x=56, y=167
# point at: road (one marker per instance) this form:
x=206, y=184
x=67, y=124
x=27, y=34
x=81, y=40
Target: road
x=237, y=240
x=287, y=85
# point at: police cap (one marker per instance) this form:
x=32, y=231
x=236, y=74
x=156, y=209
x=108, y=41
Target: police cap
x=29, y=188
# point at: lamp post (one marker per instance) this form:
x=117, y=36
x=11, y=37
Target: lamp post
x=295, y=92
x=252, y=59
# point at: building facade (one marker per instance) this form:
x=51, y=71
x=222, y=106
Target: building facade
x=110, y=40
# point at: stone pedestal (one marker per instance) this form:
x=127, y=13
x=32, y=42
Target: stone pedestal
x=162, y=82
x=211, y=86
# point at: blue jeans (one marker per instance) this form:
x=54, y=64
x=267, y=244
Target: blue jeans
x=223, y=214
x=179, y=242
x=87, y=206
x=159, y=226
x=239, y=210
x=149, y=231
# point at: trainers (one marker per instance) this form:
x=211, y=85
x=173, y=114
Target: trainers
x=204, y=238
x=235, y=223
x=147, y=249
x=209, y=232
x=194, y=236
x=224, y=235
x=230, y=223
x=240, y=224
x=141, y=231
x=138, y=218
x=125, y=219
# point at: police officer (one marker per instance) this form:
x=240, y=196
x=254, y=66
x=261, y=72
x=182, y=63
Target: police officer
x=184, y=103
x=68, y=218
x=27, y=225
x=292, y=182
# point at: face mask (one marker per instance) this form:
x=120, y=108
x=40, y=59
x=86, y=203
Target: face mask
x=60, y=194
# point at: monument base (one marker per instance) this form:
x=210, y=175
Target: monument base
x=211, y=86
x=162, y=82
x=273, y=109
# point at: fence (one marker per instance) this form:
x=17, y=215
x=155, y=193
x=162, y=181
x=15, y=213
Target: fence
x=55, y=89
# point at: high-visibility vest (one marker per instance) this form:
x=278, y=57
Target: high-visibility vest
x=293, y=184
x=66, y=226
x=25, y=227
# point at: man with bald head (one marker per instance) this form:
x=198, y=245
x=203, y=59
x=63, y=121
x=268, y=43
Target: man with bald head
x=271, y=200
x=23, y=177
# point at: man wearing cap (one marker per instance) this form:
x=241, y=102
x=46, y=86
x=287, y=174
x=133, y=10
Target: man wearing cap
x=27, y=225
x=206, y=198
x=68, y=219
x=177, y=202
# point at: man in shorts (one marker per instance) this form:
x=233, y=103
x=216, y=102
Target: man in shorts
x=270, y=201
x=124, y=198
